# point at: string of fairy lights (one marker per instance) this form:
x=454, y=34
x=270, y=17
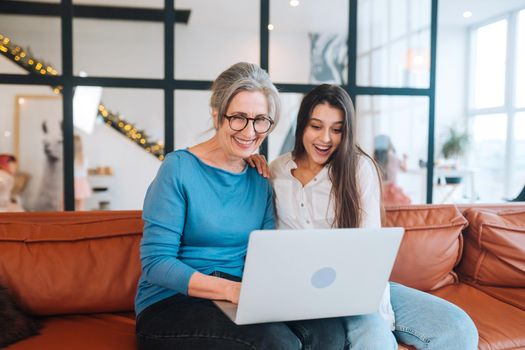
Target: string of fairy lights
x=130, y=131
x=25, y=59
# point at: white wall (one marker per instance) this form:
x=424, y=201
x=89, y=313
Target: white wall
x=133, y=169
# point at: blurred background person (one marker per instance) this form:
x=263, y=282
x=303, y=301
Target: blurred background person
x=82, y=186
x=390, y=165
x=8, y=167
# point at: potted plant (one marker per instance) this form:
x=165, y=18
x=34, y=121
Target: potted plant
x=454, y=147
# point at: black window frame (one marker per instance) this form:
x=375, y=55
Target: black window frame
x=66, y=11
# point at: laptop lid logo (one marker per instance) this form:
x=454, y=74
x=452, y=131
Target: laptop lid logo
x=323, y=278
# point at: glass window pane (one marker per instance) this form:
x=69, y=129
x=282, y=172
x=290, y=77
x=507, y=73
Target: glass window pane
x=404, y=121
x=112, y=157
x=118, y=48
x=308, y=42
x=30, y=44
x=399, y=24
x=489, y=135
x=216, y=37
x=393, y=43
x=489, y=58
x=420, y=12
x=520, y=62
x=30, y=129
x=282, y=138
x=120, y=3
x=518, y=162
x=193, y=121
x=454, y=177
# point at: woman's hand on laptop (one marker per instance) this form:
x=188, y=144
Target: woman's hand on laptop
x=214, y=288
x=259, y=161
x=232, y=292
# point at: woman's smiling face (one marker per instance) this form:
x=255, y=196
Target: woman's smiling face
x=242, y=144
x=322, y=134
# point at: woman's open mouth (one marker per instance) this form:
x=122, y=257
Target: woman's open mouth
x=322, y=149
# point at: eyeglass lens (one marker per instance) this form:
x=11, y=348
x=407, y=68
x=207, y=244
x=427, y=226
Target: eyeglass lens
x=260, y=124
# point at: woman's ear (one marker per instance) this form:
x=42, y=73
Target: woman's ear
x=215, y=116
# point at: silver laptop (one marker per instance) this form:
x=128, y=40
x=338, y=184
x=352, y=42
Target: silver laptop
x=307, y=274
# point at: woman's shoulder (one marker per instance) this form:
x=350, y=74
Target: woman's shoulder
x=279, y=166
x=176, y=164
x=177, y=157
x=366, y=169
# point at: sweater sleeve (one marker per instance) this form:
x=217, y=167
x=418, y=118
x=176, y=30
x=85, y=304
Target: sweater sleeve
x=164, y=215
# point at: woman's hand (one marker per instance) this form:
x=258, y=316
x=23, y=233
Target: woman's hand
x=214, y=288
x=259, y=161
x=232, y=292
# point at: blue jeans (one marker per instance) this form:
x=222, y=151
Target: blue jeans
x=183, y=322
x=422, y=320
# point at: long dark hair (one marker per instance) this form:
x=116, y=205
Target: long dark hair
x=343, y=163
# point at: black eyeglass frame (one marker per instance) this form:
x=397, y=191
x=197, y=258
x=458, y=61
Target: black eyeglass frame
x=253, y=120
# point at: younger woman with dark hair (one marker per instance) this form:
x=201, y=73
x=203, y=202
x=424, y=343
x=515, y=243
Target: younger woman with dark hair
x=329, y=181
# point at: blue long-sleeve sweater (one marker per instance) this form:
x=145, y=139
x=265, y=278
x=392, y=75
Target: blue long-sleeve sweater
x=197, y=218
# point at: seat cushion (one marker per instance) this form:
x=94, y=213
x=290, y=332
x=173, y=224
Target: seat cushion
x=500, y=325
x=431, y=246
x=494, y=247
x=512, y=296
x=86, y=332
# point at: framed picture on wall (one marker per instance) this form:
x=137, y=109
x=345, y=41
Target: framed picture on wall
x=38, y=148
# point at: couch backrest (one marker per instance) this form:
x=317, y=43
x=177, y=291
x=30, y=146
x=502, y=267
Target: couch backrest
x=61, y=263
x=74, y=262
x=494, y=253
x=431, y=247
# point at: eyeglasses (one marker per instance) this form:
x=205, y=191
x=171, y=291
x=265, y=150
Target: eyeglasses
x=238, y=122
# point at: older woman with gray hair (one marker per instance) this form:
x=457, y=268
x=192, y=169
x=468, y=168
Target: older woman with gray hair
x=198, y=214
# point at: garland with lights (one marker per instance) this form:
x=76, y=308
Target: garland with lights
x=130, y=131
x=24, y=58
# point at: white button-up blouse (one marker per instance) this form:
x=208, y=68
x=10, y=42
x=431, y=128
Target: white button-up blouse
x=311, y=206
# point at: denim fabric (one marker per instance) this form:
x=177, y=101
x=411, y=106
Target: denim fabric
x=422, y=320
x=183, y=322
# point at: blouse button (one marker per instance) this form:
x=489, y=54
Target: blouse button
x=302, y=204
x=315, y=179
x=307, y=221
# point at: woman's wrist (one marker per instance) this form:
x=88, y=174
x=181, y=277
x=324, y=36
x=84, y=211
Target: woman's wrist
x=232, y=291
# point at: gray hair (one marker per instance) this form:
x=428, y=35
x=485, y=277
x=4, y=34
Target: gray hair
x=243, y=76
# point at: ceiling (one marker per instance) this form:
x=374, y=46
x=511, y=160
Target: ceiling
x=309, y=14
x=450, y=12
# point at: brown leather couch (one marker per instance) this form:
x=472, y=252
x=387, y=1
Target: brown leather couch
x=78, y=271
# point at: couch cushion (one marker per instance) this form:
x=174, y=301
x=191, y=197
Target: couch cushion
x=500, y=325
x=511, y=296
x=431, y=246
x=494, y=247
x=62, y=263
x=97, y=331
